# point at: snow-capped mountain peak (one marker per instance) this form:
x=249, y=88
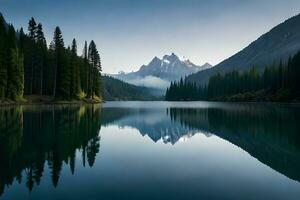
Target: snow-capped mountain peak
x=169, y=68
x=171, y=57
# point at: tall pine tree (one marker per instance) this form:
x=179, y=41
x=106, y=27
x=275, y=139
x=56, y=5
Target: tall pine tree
x=3, y=58
x=85, y=69
x=31, y=48
x=16, y=78
x=61, y=86
x=41, y=55
x=75, y=76
x=94, y=83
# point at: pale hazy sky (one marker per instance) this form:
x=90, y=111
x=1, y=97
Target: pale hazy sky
x=130, y=33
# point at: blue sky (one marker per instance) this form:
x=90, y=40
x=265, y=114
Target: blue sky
x=130, y=33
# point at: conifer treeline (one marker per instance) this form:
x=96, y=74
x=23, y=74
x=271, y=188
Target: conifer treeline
x=279, y=81
x=28, y=66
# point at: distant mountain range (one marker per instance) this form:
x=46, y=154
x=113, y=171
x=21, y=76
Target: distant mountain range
x=278, y=44
x=160, y=72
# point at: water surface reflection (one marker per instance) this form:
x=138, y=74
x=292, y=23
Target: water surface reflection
x=50, y=142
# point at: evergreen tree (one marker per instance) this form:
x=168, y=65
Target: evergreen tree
x=32, y=30
x=85, y=69
x=40, y=38
x=61, y=73
x=28, y=67
x=41, y=54
x=94, y=71
x=11, y=76
x=75, y=76
x=3, y=58
x=16, y=79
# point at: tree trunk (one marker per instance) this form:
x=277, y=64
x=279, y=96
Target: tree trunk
x=92, y=84
x=87, y=80
x=31, y=79
x=42, y=77
x=54, y=84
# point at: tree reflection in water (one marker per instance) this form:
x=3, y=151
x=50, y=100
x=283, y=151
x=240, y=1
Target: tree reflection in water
x=267, y=132
x=32, y=137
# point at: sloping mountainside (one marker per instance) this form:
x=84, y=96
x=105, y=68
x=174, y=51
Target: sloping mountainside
x=278, y=44
x=114, y=89
x=160, y=72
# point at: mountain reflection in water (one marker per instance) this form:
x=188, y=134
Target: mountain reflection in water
x=32, y=138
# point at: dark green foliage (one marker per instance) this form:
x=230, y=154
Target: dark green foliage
x=28, y=67
x=30, y=52
x=184, y=91
x=41, y=56
x=116, y=90
x=233, y=83
x=75, y=76
x=32, y=29
x=16, y=80
x=3, y=58
x=84, y=69
x=277, y=83
x=40, y=38
x=14, y=66
x=94, y=71
x=61, y=71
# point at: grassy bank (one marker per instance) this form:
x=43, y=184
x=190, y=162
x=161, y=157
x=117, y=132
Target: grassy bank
x=41, y=100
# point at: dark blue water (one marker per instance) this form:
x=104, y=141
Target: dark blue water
x=150, y=150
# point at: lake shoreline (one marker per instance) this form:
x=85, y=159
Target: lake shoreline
x=47, y=100
x=244, y=102
x=29, y=102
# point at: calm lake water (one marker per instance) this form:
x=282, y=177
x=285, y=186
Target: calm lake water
x=150, y=150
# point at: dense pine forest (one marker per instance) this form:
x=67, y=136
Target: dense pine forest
x=29, y=67
x=278, y=82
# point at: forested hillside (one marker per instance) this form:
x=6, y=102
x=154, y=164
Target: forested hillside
x=277, y=83
x=114, y=89
x=29, y=67
x=278, y=44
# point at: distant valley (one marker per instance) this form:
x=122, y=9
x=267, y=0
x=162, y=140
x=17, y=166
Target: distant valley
x=117, y=90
